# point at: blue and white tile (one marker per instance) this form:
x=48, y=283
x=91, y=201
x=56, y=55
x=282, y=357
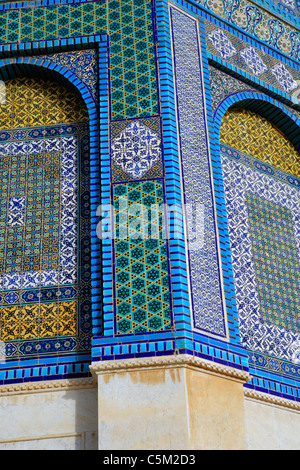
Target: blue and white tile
x=254, y=61
x=136, y=149
x=255, y=334
x=284, y=78
x=222, y=43
x=204, y=264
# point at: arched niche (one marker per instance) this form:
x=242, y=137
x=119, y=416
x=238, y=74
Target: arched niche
x=260, y=164
x=45, y=231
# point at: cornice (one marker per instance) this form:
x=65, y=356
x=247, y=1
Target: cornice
x=159, y=362
x=47, y=386
x=271, y=399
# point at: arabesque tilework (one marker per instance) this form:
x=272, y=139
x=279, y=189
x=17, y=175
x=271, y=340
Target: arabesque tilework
x=259, y=138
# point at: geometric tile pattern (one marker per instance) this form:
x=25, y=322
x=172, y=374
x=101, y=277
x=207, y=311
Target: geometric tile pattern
x=132, y=56
x=276, y=262
x=141, y=261
x=136, y=149
x=132, y=59
x=254, y=135
x=52, y=21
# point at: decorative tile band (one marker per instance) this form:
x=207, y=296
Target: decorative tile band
x=258, y=23
x=255, y=60
x=273, y=364
x=204, y=267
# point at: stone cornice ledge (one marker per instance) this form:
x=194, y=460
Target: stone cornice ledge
x=159, y=362
x=47, y=386
x=271, y=399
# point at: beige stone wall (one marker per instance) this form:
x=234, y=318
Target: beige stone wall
x=49, y=416
x=271, y=426
x=216, y=411
x=169, y=403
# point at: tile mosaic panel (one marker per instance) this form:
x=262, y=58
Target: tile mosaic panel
x=136, y=150
x=141, y=259
x=253, y=59
x=204, y=263
x=262, y=203
x=45, y=287
x=276, y=262
x=132, y=54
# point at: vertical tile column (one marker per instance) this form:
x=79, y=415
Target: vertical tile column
x=137, y=308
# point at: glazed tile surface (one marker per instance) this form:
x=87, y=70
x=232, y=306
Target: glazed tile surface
x=262, y=202
x=141, y=264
